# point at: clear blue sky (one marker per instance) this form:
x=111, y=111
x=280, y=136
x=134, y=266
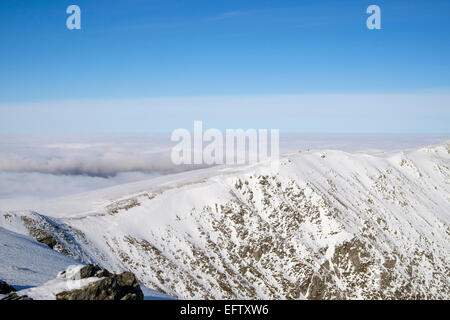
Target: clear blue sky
x=135, y=49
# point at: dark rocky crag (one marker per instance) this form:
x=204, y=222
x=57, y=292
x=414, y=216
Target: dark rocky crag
x=122, y=286
x=14, y=296
x=5, y=288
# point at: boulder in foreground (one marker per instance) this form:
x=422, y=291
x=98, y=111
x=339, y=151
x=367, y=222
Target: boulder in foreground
x=122, y=286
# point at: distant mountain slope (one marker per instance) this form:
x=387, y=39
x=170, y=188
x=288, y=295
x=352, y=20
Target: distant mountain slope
x=316, y=225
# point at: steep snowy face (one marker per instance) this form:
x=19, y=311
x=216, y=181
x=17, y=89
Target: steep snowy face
x=319, y=225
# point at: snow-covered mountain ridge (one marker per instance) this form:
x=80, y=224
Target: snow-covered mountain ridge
x=316, y=225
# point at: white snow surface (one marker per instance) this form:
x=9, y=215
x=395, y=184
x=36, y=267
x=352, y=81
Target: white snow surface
x=315, y=224
x=24, y=262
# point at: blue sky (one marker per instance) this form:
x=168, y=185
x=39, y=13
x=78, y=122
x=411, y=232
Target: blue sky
x=51, y=77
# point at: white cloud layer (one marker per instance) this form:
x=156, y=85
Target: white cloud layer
x=100, y=156
x=42, y=167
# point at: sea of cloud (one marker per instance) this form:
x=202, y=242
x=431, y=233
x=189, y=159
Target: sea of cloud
x=41, y=167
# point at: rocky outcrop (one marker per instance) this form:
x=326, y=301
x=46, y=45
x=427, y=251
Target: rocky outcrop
x=15, y=296
x=88, y=271
x=122, y=286
x=5, y=288
x=93, y=271
x=55, y=234
x=48, y=240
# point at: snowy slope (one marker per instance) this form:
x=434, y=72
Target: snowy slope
x=318, y=224
x=25, y=262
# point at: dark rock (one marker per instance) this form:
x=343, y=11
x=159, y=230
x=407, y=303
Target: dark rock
x=122, y=286
x=47, y=240
x=88, y=271
x=5, y=288
x=102, y=273
x=14, y=296
x=317, y=288
x=257, y=254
